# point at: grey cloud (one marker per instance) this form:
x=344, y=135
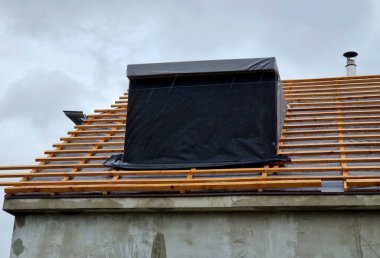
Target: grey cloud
x=31, y=113
x=112, y=32
x=41, y=95
x=58, y=20
x=51, y=49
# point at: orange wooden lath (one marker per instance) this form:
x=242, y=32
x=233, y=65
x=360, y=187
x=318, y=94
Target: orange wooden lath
x=331, y=133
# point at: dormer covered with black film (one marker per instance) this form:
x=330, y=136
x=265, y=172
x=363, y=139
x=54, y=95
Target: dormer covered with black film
x=203, y=114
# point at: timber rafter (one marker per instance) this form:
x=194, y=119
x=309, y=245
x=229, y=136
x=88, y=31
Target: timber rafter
x=331, y=132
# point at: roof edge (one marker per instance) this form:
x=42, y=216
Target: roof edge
x=184, y=204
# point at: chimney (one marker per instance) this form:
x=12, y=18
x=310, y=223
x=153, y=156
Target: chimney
x=350, y=66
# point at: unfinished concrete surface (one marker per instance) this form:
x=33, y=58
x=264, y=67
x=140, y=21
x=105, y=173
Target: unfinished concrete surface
x=198, y=234
x=162, y=227
x=194, y=203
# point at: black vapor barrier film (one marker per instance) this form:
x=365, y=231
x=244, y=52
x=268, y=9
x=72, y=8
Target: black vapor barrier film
x=195, y=115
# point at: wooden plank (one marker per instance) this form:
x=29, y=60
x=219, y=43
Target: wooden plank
x=175, y=172
x=330, y=84
x=108, y=120
x=72, y=170
x=88, y=138
x=119, y=105
x=325, y=131
x=94, y=116
x=330, y=94
x=332, y=107
x=95, y=132
x=332, y=113
x=97, y=147
x=323, y=137
x=340, y=78
x=52, y=166
x=308, y=100
x=72, y=158
x=113, y=150
x=297, y=113
x=194, y=180
x=342, y=155
x=168, y=187
x=179, y=181
x=363, y=182
x=100, y=126
x=329, y=87
x=120, y=150
x=290, y=126
x=116, y=172
x=341, y=159
x=110, y=110
x=264, y=174
x=190, y=176
x=75, y=144
x=342, y=118
x=332, y=103
x=329, y=144
x=25, y=179
x=332, y=79
x=84, y=160
x=343, y=90
x=330, y=152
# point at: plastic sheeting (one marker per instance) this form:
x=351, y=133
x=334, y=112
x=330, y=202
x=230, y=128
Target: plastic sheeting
x=202, y=115
x=201, y=67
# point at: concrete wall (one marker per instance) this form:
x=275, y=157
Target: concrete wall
x=199, y=232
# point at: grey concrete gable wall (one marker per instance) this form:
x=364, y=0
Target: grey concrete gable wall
x=220, y=226
x=198, y=234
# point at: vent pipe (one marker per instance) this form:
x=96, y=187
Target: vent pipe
x=76, y=116
x=350, y=66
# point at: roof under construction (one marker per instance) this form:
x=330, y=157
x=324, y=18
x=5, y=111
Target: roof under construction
x=331, y=132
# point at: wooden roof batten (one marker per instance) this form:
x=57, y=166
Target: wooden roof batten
x=331, y=132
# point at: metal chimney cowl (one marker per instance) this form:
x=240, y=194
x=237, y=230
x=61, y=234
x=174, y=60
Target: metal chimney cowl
x=351, y=65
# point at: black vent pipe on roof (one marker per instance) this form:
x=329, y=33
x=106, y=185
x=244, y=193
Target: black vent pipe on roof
x=77, y=117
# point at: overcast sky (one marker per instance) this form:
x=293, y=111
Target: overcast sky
x=57, y=55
